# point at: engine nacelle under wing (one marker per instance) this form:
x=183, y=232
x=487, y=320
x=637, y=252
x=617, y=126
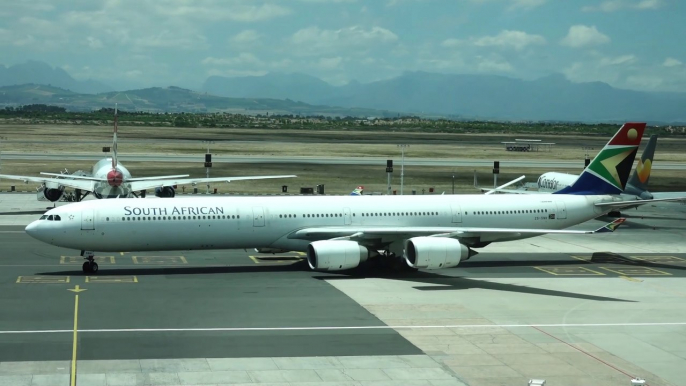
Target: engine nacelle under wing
x=52, y=194
x=335, y=255
x=165, y=192
x=434, y=252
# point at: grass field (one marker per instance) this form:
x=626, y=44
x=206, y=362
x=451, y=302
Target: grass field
x=338, y=179
x=165, y=140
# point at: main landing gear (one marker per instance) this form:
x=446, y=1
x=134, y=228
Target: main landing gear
x=90, y=266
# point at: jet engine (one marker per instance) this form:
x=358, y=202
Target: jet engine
x=165, y=192
x=335, y=255
x=435, y=252
x=53, y=192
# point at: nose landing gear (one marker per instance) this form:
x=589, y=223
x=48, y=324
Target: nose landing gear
x=89, y=266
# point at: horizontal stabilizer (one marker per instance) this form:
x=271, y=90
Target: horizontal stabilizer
x=631, y=203
x=69, y=176
x=611, y=227
x=156, y=178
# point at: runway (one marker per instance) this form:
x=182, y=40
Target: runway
x=568, y=309
x=542, y=163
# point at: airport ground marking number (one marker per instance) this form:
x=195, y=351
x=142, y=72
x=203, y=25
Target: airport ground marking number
x=159, y=260
x=78, y=260
x=43, y=279
x=111, y=279
x=570, y=271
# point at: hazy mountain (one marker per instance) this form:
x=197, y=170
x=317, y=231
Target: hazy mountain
x=470, y=96
x=41, y=73
x=169, y=99
x=299, y=87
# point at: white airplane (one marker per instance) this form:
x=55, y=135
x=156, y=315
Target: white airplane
x=340, y=232
x=110, y=179
x=636, y=187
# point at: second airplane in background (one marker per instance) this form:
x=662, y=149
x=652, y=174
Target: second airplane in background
x=110, y=179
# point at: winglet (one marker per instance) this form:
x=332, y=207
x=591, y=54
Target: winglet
x=611, y=227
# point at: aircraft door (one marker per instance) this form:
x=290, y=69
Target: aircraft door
x=257, y=216
x=561, y=210
x=87, y=220
x=346, y=216
x=457, y=213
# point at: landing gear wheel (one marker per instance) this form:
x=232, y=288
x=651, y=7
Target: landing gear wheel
x=90, y=267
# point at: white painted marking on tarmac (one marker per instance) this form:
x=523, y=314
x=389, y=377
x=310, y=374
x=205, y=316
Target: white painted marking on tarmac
x=342, y=328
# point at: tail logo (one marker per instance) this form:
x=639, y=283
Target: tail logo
x=643, y=170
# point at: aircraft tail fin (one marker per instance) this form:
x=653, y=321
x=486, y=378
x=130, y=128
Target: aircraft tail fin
x=357, y=191
x=609, y=171
x=114, y=140
x=639, y=179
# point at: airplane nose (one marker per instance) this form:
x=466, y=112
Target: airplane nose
x=32, y=230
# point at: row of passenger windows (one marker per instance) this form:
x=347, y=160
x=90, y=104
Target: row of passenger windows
x=163, y=218
x=363, y=214
x=521, y=211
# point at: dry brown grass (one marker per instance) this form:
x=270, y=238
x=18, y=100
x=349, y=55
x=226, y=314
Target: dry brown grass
x=338, y=179
x=165, y=140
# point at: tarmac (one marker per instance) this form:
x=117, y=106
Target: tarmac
x=573, y=310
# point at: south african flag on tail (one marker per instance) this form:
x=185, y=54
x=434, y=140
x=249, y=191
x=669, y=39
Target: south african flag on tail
x=610, y=169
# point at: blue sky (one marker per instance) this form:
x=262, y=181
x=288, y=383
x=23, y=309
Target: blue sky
x=633, y=44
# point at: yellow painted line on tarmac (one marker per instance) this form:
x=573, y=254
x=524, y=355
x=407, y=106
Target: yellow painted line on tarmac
x=72, y=378
x=629, y=278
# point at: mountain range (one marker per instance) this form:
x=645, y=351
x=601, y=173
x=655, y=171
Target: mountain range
x=170, y=99
x=41, y=73
x=469, y=96
x=461, y=96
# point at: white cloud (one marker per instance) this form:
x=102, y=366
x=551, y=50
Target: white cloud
x=244, y=58
x=526, y=4
x=510, y=39
x=584, y=36
x=618, y=60
x=248, y=36
x=493, y=65
x=218, y=10
x=93, y=42
x=671, y=62
x=616, y=5
x=517, y=40
x=330, y=63
x=314, y=40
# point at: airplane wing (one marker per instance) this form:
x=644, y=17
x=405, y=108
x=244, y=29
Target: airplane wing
x=512, y=191
x=150, y=184
x=67, y=181
x=386, y=234
x=632, y=203
x=88, y=178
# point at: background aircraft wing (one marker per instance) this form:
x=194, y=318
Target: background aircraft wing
x=386, y=233
x=66, y=180
x=632, y=203
x=151, y=184
x=512, y=191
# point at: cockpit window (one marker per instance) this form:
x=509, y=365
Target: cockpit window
x=43, y=217
x=50, y=218
x=57, y=218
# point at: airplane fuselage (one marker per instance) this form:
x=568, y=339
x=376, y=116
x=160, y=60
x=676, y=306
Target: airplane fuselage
x=123, y=225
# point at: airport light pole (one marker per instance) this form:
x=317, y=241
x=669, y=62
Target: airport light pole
x=207, y=167
x=402, y=166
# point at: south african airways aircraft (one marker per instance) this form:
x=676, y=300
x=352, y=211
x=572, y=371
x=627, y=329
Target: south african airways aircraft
x=340, y=232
